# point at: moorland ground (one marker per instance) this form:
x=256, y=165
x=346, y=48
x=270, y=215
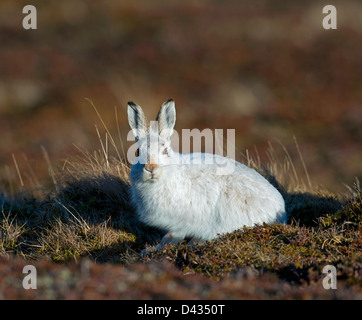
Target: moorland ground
x=84, y=237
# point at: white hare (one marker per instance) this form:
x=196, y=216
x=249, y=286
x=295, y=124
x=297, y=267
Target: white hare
x=189, y=199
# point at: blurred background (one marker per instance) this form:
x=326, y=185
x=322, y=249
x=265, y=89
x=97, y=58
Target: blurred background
x=266, y=68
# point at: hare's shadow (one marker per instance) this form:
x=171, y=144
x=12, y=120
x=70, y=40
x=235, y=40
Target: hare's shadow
x=306, y=208
x=107, y=198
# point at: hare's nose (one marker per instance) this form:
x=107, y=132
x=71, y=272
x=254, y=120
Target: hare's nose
x=150, y=167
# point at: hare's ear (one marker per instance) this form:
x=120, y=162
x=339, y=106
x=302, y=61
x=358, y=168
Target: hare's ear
x=166, y=119
x=137, y=120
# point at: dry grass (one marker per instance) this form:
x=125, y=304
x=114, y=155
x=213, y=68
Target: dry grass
x=10, y=233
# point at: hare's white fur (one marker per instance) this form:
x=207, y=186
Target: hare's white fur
x=184, y=194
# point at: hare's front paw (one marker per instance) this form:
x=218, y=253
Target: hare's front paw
x=145, y=252
x=169, y=238
x=194, y=242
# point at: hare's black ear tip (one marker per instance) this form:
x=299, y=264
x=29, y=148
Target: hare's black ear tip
x=131, y=104
x=169, y=101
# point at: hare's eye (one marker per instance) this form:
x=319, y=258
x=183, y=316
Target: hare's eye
x=165, y=151
x=138, y=153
